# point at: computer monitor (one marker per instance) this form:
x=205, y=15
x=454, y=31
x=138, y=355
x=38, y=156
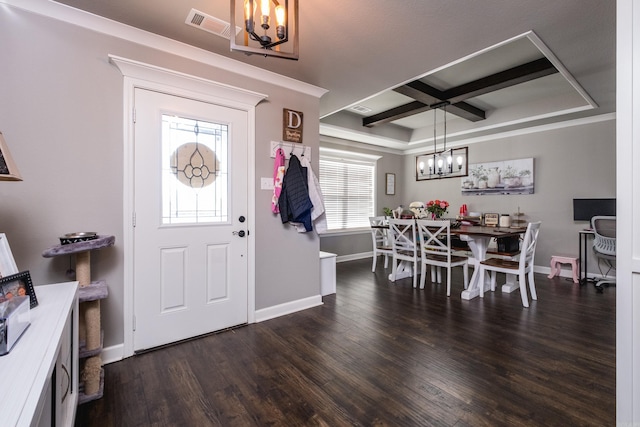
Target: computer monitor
x=585, y=209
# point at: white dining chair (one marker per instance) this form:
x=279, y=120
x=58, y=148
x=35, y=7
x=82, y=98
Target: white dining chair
x=435, y=245
x=379, y=236
x=402, y=233
x=523, y=266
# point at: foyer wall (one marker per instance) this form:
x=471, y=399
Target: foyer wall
x=61, y=112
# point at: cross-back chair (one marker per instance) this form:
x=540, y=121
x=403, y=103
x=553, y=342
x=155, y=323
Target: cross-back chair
x=381, y=244
x=402, y=233
x=523, y=266
x=435, y=245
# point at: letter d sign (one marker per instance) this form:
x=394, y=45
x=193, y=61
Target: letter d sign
x=292, y=125
x=295, y=120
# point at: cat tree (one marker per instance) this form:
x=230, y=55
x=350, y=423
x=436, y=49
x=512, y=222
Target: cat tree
x=89, y=295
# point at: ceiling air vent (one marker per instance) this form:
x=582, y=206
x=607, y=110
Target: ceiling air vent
x=210, y=24
x=361, y=109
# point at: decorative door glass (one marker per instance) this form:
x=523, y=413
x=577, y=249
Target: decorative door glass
x=194, y=171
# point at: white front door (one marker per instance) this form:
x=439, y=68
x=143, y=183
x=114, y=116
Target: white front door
x=190, y=244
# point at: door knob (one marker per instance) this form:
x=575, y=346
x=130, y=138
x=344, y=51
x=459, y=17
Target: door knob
x=240, y=233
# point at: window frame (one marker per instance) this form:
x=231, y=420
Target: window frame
x=348, y=157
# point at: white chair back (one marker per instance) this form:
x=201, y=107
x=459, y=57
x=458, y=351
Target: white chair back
x=378, y=230
x=435, y=237
x=403, y=236
x=528, y=249
x=435, y=247
x=604, y=246
x=402, y=233
x=380, y=238
x=604, y=238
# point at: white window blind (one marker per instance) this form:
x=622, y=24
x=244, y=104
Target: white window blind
x=348, y=190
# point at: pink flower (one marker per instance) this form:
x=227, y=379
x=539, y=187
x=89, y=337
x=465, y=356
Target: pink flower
x=437, y=207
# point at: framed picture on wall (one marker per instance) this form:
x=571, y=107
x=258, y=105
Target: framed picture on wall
x=390, y=186
x=7, y=263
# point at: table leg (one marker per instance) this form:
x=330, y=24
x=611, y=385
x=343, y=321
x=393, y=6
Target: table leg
x=478, y=246
x=404, y=270
x=511, y=284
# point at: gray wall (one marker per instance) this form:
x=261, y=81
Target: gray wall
x=571, y=162
x=61, y=115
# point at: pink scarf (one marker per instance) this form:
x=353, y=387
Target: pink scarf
x=278, y=175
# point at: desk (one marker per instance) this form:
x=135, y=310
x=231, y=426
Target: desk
x=478, y=238
x=583, y=235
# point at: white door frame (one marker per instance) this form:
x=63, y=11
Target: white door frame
x=139, y=75
x=627, y=209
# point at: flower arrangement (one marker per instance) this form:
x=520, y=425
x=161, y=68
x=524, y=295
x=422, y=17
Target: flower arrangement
x=437, y=207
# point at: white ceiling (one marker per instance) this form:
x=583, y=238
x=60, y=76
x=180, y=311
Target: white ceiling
x=361, y=49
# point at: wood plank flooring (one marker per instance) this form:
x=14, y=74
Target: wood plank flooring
x=384, y=354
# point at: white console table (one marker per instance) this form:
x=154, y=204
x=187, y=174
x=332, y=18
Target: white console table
x=40, y=374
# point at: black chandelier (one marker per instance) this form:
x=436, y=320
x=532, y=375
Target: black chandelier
x=447, y=163
x=266, y=30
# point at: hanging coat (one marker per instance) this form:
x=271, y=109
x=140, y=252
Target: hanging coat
x=318, y=217
x=294, y=202
x=278, y=175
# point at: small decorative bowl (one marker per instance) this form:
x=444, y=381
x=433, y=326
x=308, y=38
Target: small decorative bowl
x=81, y=236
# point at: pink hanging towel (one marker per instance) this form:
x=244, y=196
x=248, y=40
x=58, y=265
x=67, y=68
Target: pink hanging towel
x=278, y=175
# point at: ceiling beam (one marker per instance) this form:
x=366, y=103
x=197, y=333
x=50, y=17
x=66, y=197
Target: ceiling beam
x=511, y=77
x=396, y=113
x=425, y=95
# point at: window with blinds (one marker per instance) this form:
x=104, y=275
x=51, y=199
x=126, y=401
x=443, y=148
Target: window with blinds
x=348, y=186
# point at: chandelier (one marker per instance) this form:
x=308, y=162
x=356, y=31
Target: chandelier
x=266, y=30
x=447, y=163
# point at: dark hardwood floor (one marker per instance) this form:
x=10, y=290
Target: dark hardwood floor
x=384, y=354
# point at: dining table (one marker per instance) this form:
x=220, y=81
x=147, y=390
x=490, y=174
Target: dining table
x=478, y=238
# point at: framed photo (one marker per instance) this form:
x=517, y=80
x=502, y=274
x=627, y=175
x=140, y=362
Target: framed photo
x=8, y=168
x=18, y=285
x=491, y=219
x=7, y=263
x=390, y=183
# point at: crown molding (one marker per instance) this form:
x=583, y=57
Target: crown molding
x=70, y=15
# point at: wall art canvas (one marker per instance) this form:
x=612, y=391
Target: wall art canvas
x=504, y=177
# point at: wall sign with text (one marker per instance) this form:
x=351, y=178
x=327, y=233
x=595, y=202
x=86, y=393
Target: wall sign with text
x=292, y=122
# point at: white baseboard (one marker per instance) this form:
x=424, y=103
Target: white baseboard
x=287, y=308
x=566, y=272
x=353, y=257
x=115, y=353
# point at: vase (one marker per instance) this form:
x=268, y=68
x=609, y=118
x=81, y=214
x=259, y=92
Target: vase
x=494, y=178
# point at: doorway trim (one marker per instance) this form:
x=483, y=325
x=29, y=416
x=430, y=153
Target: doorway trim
x=145, y=76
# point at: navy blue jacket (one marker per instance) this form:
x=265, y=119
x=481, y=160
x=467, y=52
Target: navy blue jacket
x=294, y=202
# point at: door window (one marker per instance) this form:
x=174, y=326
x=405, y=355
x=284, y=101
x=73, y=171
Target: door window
x=194, y=171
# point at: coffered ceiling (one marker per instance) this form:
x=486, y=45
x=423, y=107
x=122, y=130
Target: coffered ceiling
x=500, y=64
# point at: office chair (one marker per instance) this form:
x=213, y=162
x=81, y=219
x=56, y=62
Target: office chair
x=604, y=246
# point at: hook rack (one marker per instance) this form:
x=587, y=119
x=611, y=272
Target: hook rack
x=290, y=148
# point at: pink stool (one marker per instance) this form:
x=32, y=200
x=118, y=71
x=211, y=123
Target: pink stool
x=555, y=268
